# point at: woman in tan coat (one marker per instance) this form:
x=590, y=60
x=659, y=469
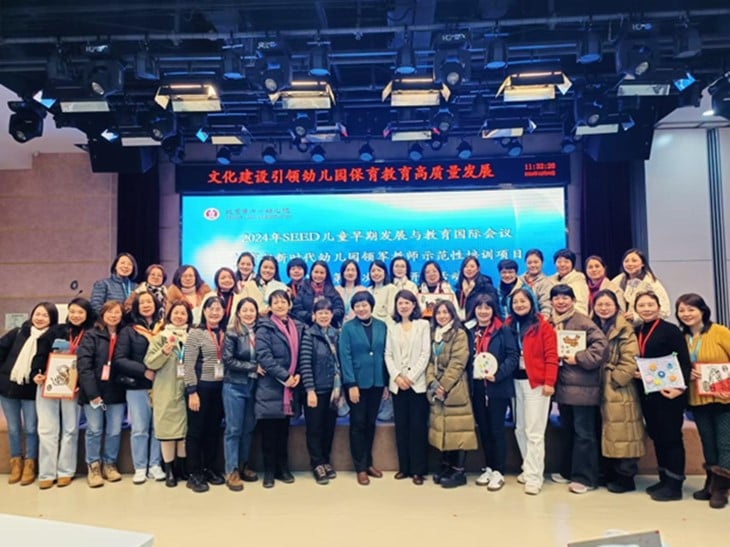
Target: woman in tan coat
x=622, y=436
x=451, y=428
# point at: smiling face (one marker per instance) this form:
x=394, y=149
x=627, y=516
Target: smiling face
x=521, y=305
x=296, y=273
x=484, y=314
x=595, y=270
x=400, y=270
x=405, y=308
x=534, y=265
x=442, y=316
x=187, y=279
x=76, y=315
x=562, y=303
x=179, y=315
x=318, y=274
x=280, y=307
x=377, y=274
x=40, y=318
x=245, y=266
x=362, y=310
x=647, y=308
x=124, y=267
x=247, y=314
x=508, y=276
x=633, y=264
x=604, y=307
x=226, y=281
x=213, y=314
x=563, y=266
x=431, y=274
x=155, y=278
x=690, y=316
x=267, y=270
x=323, y=318
x=350, y=273
x=470, y=269
x=146, y=306
x=113, y=316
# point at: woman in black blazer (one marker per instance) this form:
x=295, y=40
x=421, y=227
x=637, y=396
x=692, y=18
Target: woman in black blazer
x=319, y=285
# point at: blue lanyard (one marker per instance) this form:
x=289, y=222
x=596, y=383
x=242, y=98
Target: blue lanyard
x=694, y=352
x=180, y=352
x=437, y=349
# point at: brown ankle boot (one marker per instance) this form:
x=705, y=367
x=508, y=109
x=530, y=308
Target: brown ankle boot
x=28, y=476
x=719, y=487
x=16, y=470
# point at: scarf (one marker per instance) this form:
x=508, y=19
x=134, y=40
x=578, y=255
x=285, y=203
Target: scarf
x=191, y=295
x=557, y=319
x=292, y=337
x=20, y=374
x=148, y=333
x=483, y=335
x=467, y=286
x=593, y=288
x=438, y=334
x=317, y=288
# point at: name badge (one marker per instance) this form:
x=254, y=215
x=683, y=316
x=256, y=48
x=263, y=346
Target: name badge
x=218, y=370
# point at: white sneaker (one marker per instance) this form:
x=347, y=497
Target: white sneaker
x=140, y=476
x=557, y=477
x=156, y=473
x=532, y=489
x=496, y=481
x=579, y=488
x=485, y=477
x=521, y=478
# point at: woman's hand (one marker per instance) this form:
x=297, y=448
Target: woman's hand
x=311, y=399
x=695, y=374
x=292, y=381
x=671, y=392
x=569, y=359
x=548, y=391
x=386, y=393
x=489, y=377
x=440, y=393
x=637, y=374
x=354, y=393
x=194, y=402
x=402, y=382
x=167, y=348
x=149, y=374
x=261, y=371
x=39, y=379
x=629, y=316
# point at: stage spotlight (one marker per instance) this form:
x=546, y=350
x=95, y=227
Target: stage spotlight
x=318, y=155
x=162, y=126
x=415, y=152
x=495, y=56
x=464, y=150
x=568, y=145
x=687, y=42
x=104, y=78
x=405, y=61
x=301, y=125
x=174, y=147
x=452, y=61
x=302, y=146
x=720, y=93
x=145, y=66
x=436, y=143
x=366, y=153
x=27, y=121
x=589, y=48
x=232, y=66
x=319, y=65
x=513, y=147
x=223, y=156
x=443, y=121
x=269, y=155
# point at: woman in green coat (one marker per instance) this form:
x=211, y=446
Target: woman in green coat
x=165, y=356
x=451, y=424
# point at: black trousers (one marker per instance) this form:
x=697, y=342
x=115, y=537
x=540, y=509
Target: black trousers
x=320, y=422
x=411, y=431
x=664, y=418
x=362, y=426
x=579, y=460
x=204, y=429
x=275, y=443
x=489, y=416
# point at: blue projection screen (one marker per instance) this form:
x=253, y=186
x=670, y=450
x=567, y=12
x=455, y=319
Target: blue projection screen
x=445, y=226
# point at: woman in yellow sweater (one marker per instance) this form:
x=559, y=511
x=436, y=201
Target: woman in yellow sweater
x=708, y=342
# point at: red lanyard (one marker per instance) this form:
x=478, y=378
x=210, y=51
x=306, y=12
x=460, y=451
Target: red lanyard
x=218, y=343
x=484, y=337
x=643, y=341
x=112, y=345
x=73, y=343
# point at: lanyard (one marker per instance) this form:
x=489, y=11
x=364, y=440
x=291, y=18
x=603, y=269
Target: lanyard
x=73, y=343
x=180, y=352
x=643, y=341
x=694, y=347
x=112, y=345
x=437, y=348
x=483, y=338
x=218, y=342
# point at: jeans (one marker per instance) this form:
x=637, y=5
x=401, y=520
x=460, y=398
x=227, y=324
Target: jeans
x=238, y=409
x=145, y=446
x=57, y=417
x=13, y=409
x=580, y=444
x=114, y=414
x=532, y=410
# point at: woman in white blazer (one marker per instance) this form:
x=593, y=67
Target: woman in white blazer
x=407, y=351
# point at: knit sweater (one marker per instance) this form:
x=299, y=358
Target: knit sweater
x=201, y=356
x=714, y=347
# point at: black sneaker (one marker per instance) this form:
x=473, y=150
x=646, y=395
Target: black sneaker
x=331, y=473
x=197, y=483
x=214, y=478
x=268, y=479
x=320, y=474
x=457, y=478
x=284, y=476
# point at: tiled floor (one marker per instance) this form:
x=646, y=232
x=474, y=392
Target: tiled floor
x=387, y=512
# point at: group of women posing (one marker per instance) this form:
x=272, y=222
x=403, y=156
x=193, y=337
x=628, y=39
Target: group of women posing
x=259, y=350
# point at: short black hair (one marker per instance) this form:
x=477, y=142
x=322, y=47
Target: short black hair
x=507, y=264
x=565, y=253
x=561, y=289
x=362, y=296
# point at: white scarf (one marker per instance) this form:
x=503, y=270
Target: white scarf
x=438, y=334
x=20, y=374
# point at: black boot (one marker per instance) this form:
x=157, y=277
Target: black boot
x=720, y=486
x=197, y=483
x=656, y=486
x=181, y=472
x=170, y=480
x=442, y=473
x=457, y=476
x=671, y=491
x=705, y=492
x=620, y=484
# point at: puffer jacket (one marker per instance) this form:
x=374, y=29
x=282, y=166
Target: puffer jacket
x=623, y=424
x=304, y=303
x=92, y=354
x=317, y=363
